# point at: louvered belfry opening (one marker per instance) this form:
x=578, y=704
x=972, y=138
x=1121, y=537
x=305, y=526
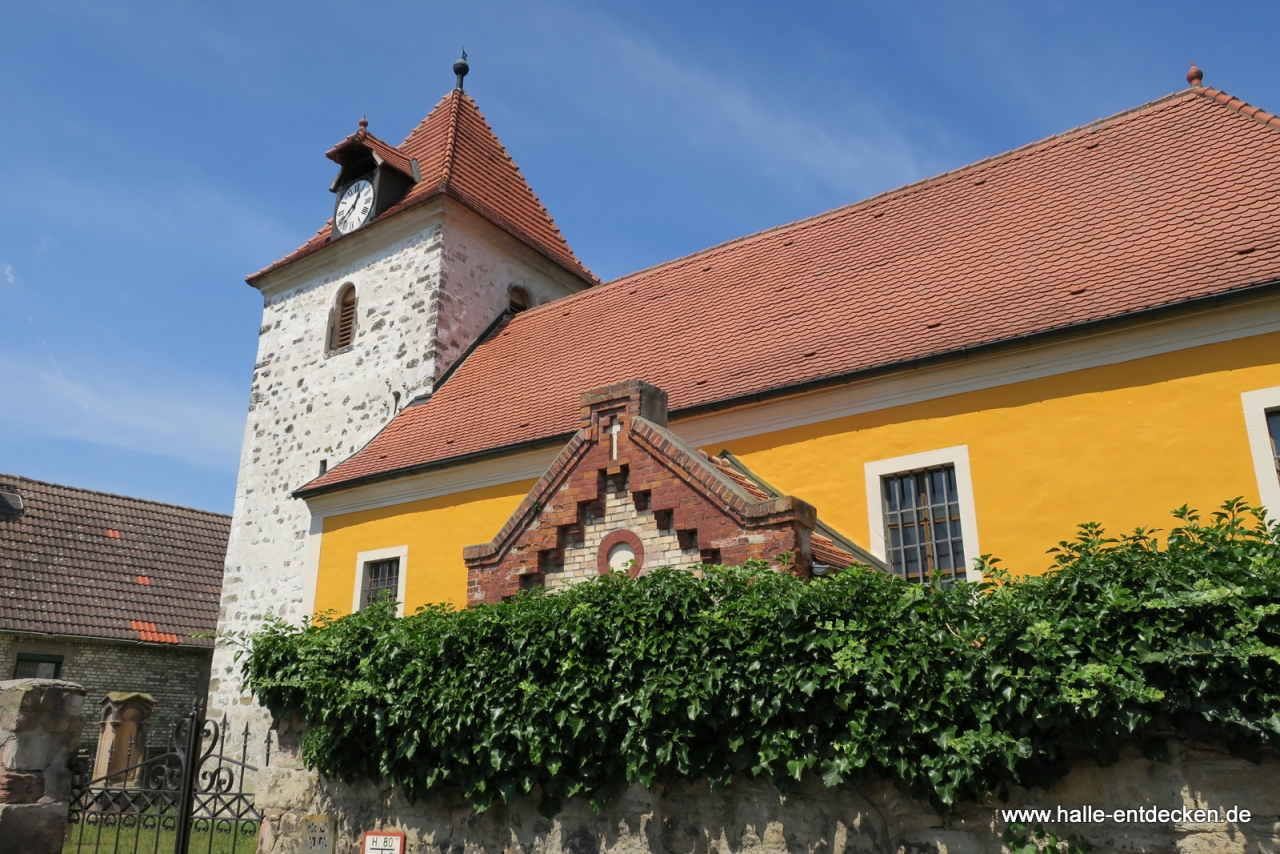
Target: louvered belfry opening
x=344, y=321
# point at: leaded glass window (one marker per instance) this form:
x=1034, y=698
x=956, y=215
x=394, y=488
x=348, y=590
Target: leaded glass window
x=381, y=580
x=922, y=524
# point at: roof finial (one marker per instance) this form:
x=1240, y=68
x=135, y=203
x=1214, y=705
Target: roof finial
x=364, y=124
x=461, y=68
x=1195, y=76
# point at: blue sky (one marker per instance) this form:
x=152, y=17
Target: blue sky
x=154, y=154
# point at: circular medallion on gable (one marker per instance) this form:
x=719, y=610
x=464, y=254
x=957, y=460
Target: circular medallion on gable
x=620, y=551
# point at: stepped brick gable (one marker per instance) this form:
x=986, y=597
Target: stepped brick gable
x=627, y=493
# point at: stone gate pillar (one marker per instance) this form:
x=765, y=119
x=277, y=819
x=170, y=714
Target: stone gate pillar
x=40, y=723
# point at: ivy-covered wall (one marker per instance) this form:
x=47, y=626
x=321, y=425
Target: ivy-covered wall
x=744, y=677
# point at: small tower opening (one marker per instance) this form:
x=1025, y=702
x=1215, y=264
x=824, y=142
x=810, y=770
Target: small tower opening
x=517, y=300
x=342, y=325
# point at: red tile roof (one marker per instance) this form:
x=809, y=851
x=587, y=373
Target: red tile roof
x=459, y=156
x=1173, y=201
x=363, y=139
x=89, y=564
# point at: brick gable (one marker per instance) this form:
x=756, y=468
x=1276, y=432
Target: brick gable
x=625, y=480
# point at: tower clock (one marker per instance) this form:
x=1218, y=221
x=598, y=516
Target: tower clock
x=373, y=178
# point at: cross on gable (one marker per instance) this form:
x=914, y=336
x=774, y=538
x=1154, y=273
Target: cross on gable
x=613, y=430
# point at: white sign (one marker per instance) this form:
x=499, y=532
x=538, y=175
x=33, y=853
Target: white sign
x=383, y=842
x=317, y=834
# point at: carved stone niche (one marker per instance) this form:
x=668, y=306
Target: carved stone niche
x=122, y=741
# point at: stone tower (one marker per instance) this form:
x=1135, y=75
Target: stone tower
x=430, y=243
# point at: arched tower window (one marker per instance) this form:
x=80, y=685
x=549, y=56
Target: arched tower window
x=517, y=300
x=342, y=323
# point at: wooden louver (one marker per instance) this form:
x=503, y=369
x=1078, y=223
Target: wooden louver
x=345, y=327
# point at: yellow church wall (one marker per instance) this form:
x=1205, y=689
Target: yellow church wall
x=1121, y=444
x=435, y=530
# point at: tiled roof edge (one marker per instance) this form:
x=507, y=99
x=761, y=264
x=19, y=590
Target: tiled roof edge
x=184, y=642
x=152, y=502
x=1237, y=105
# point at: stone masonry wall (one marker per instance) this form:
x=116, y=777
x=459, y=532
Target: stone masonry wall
x=753, y=817
x=445, y=270
x=40, y=720
x=174, y=676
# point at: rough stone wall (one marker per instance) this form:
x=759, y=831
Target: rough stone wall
x=753, y=817
x=450, y=271
x=40, y=720
x=476, y=278
x=174, y=676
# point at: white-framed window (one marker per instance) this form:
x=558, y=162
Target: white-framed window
x=921, y=514
x=1262, y=422
x=380, y=572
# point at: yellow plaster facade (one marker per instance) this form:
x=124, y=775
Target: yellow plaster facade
x=435, y=530
x=1120, y=444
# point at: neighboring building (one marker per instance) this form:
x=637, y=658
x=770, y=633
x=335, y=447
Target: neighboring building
x=115, y=593
x=1086, y=328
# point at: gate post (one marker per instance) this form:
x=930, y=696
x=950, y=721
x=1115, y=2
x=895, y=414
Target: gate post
x=190, y=767
x=40, y=722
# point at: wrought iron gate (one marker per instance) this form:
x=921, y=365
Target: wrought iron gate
x=188, y=800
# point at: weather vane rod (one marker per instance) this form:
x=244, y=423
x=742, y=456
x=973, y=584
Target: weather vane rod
x=461, y=68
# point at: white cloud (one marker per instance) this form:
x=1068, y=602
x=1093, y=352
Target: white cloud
x=843, y=146
x=8, y=274
x=165, y=415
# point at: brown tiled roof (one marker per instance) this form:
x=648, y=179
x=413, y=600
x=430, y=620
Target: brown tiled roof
x=1172, y=202
x=459, y=156
x=90, y=564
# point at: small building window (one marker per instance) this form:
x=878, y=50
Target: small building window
x=37, y=666
x=518, y=300
x=381, y=581
x=342, y=322
x=922, y=524
x=1273, y=429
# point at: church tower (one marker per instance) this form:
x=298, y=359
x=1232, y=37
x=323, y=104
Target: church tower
x=431, y=243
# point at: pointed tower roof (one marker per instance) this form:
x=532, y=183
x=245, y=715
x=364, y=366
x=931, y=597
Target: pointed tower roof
x=459, y=156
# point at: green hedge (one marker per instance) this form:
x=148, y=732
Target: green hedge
x=744, y=671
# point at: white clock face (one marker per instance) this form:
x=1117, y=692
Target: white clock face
x=354, y=207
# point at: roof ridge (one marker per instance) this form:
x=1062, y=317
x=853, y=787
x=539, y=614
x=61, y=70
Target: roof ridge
x=524, y=182
x=502, y=146
x=450, y=144
x=1238, y=105
x=18, y=477
x=905, y=189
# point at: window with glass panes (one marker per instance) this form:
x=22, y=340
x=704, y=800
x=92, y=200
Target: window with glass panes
x=381, y=580
x=37, y=667
x=922, y=524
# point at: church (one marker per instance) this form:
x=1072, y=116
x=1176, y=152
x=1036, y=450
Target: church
x=449, y=407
